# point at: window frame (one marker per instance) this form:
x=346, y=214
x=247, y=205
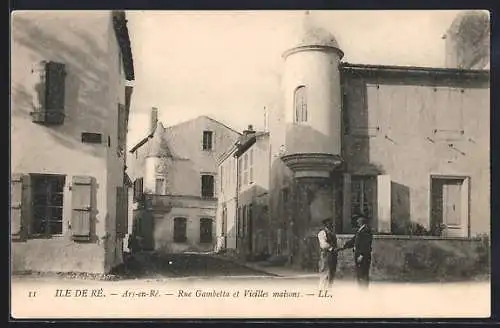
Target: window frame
x=175, y=236
x=212, y=194
x=364, y=201
x=211, y=237
x=163, y=184
x=34, y=231
x=208, y=146
x=300, y=108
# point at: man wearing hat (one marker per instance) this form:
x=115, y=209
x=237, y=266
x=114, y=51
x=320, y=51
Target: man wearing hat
x=328, y=254
x=362, y=247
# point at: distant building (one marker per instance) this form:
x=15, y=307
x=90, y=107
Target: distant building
x=174, y=171
x=406, y=146
x=70, y=106
x=467, y=41
x=243, y=207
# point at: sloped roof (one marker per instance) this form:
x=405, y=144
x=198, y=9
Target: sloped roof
x=123, y=36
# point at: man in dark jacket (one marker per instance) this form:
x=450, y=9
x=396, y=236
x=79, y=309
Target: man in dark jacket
x=328, y=254
x=362, y=247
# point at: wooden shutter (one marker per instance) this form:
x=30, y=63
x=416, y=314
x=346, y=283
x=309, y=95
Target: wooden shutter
x=383, y=203
x=16, y=201
x=346, y=203
x=122, y=129
x=138, y=189
x=81, y=196
x=54, y=102
x=38, y=91
x=121, y=211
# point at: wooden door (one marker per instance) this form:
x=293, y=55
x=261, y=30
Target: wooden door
x=452, y=208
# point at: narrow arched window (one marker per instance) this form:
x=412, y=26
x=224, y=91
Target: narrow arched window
x=300, y=104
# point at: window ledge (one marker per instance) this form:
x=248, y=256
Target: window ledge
x=41, y=236
x=48, y=117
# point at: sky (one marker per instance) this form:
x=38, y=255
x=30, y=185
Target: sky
x=227, y=64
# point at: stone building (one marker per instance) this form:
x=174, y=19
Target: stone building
x=242, y=216
x=407, y=146
x=174, y=171
x=70, y=103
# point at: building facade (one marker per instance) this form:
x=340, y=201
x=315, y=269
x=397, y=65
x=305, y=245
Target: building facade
x=243, y=207
x=406, y=146
x=175, y=171
x=70, y=105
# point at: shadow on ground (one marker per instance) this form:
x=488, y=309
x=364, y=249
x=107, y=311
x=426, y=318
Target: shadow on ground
x=157, y=265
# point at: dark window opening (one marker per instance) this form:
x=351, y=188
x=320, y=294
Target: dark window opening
x=180, y=230
x=138, y=189
x=96, y=138
x=207, y=186
x=285, y=195
x=207, y=140
x=300, y=104
x=206, y=230
x=48, y=194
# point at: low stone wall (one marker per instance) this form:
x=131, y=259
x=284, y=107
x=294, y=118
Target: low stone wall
x=416, y=258
x=57, y=255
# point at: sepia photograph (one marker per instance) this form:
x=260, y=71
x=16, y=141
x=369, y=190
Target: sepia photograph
x=250, y=164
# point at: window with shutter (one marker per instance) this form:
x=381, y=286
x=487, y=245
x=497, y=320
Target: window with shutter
x=16, y=206
x=121, y=211
x=49, y=93
x=82, y=209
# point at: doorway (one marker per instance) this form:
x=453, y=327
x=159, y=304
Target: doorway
x=450, y=205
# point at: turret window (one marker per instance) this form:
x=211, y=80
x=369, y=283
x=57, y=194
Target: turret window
x=300, y=104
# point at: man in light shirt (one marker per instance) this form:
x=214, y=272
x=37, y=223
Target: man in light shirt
x=328, y=254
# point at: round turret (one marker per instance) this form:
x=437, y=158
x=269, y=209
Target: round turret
x=312, y=102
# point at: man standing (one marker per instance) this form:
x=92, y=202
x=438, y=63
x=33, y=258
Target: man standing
x=362, y=246
x=328, y=254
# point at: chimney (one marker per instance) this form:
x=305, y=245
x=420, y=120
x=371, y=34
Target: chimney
x=154, y=120
x=249, y=130
x=266, y=120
